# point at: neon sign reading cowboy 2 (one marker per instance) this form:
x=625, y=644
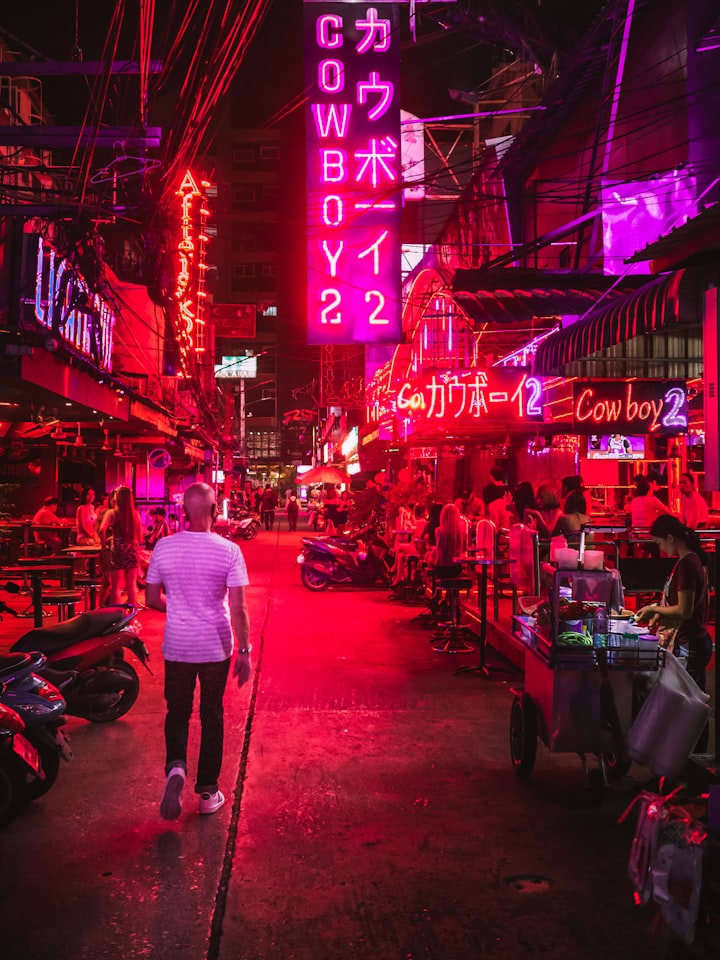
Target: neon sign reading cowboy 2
x=634, y=406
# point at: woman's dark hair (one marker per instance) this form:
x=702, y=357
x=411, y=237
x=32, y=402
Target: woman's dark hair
x=642, y=487
x=160, y=512
x=576, y=503
x=666, y=525
x=433, y=522
x=523, y=498
x=84, y=494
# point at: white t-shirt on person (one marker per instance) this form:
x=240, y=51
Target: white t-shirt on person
x=196, y=569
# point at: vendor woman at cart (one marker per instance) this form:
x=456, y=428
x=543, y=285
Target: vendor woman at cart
x=686, y=600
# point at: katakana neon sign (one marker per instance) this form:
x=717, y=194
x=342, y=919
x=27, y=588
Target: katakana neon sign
x=352, y=62
x=505, y=395
x=190, y=283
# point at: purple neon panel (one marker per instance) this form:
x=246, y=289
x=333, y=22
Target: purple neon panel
x=354, y=189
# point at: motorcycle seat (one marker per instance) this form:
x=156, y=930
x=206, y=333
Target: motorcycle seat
x=74, y=630
x=11, y=662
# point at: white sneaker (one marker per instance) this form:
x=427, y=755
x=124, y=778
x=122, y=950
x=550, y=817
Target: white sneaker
x=170, y=805
x=211, y=802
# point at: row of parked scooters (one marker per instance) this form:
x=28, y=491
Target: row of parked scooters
x=77, y=667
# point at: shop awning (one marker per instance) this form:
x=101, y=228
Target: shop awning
x=666, y=301
x=510, y=295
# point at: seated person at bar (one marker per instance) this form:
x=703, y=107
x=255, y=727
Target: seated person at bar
x=523, y=500
x=574, y=517
x=694, y=510
x=546, y=518
x=644, y=507
x=86, y=520
x=450, y=543
x=47, y=516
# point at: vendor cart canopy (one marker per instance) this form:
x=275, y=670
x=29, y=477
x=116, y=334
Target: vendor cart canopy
x=512, y=295
x=667, y=301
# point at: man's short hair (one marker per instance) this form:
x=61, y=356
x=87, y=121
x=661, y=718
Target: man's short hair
x=50, y=501
x=497, y=473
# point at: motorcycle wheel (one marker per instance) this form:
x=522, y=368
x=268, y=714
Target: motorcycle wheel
x=50, y=761
x=13, y=792
x=106, y=707
x=313, y=579
x=252, y=531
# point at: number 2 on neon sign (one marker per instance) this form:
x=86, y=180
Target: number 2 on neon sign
x=533, y=408
x=375, y=317
x=673, y=418
x=335, y=300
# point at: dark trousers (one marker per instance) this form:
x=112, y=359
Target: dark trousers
x=699, y=655
x=292, y=521
x=180, y=679
x=269, y=518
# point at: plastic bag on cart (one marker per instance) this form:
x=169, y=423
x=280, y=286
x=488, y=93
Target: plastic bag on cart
x=669, y=722
x=677, y=876
x=653, y=813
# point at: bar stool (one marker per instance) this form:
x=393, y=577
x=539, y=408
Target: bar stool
x=90, y=587
x=452, y=637
x=64, y=600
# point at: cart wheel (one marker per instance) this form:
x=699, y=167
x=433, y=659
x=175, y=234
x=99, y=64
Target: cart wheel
x=616, y=766
x=596, y=784
x=523, y=734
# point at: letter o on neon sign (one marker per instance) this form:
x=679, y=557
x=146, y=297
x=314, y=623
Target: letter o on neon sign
x=331, y=76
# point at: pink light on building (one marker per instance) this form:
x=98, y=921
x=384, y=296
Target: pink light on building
x=352, y=61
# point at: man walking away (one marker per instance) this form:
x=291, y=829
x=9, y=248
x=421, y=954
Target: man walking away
x=204, y=578
x=268, y=504
x=293, y=508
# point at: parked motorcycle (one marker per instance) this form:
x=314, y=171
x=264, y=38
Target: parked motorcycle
x=91, y=645
x=360, y=560
x=247, y=527
x=19, y=760
x=41, y=707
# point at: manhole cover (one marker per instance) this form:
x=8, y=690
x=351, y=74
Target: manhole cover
x=528, y=883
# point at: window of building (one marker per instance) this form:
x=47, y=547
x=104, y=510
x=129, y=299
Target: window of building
x=243, y=271
x=269, y=191
x=269, y=153
x=244, y=196
x=269, y=271
x=243, y=156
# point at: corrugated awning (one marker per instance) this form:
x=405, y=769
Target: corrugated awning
x=667, y=300
x=516, y=295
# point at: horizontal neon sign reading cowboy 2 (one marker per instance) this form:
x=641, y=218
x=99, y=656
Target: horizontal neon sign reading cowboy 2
x=633, y=406
x=477, y=395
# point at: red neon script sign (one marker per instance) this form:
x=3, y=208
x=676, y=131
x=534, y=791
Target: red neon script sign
x=632, y=406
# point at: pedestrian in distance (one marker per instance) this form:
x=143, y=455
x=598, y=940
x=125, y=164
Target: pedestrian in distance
x=293, y=508
x=268, y=505
x=203, y=577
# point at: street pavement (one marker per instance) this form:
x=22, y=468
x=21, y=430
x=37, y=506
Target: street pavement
x=373, y=813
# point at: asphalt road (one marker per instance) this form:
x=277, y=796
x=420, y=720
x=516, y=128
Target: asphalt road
x=373, y=813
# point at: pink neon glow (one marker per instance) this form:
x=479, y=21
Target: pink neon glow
x=374, y=249
x=331, y=119
x=375, y=160
x=332, y=257
x=331, y=76
x=377, y=33
x=334, y=166
x=384, y=89
x=386, y=205
x=329, y=31
x=336, y=217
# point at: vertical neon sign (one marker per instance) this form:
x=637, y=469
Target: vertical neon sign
x=190, y=283
x=352, y=67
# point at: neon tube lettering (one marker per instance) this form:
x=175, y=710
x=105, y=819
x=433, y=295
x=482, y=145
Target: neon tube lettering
x=374, y=248
x=376, y=33
x=375, y=317
x=334, y=166
x=384, y=89
x=331, y=76
x=332, y=259
x=332, y=295
x=675, y=398
x=328, y=31
x=333, y=216
x=331, y=119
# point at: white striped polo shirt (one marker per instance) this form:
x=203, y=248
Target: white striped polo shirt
x=196, y=569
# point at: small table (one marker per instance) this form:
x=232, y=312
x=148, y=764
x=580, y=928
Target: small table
x=62, y=530
x=482, y=565
x=36, y=574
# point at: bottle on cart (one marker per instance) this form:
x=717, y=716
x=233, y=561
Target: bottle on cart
x=600, y=627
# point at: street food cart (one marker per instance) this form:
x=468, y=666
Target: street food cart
x=579, y=689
